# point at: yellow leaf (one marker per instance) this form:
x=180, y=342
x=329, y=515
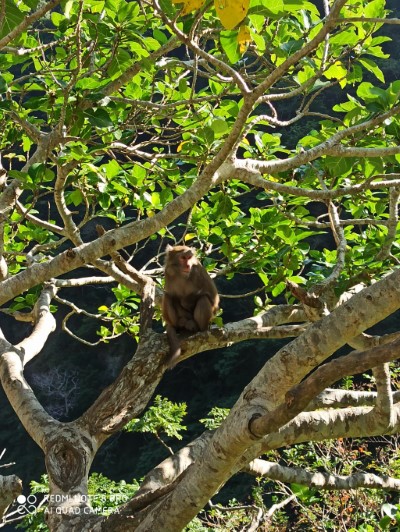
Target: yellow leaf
x=243, y=38
x=189, y=5
x=231, y=12
x=189, y=236
x=180, y=146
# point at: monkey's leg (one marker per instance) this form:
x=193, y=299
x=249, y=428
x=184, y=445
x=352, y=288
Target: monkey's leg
x=203, y=313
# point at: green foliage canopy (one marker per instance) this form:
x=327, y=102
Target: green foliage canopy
x=141, y=116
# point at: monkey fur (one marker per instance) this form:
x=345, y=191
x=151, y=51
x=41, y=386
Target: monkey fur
x=190, y=297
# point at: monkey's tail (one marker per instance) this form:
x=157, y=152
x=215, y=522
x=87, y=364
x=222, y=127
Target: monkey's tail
x=174, y=346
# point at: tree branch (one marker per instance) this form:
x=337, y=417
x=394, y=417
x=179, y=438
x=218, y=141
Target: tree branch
x=300, y=395
x=320, y=480
x=44, y=325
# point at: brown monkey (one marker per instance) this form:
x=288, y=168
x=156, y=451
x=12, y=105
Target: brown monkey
x=190, y=297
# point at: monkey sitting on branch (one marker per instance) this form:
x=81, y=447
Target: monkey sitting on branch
x=190, y=297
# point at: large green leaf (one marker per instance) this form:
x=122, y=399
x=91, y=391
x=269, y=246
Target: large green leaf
x=13, y=17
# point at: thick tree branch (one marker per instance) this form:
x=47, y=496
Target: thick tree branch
x=355, y=422
x=299, y=396
x=22, y=398
x=321, y=480
x=45, y=324
x=129, y=394
x=336, y=398
x=384, y=401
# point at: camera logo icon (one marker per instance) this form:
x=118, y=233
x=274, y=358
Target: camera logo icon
x=27, y=505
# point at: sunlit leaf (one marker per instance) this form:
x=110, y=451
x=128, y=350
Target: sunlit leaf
x=219, y=126
x=231, y=12
x=376, y=8
x=243, y=38
x=373, y=68
x=189, y=5
x=337, y=71
x=229, y=43
x=180, y=146
x=75, y=197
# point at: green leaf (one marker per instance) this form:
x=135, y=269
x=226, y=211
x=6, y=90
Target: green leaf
x=337, y=71
x=3, y=84
x=304, y=493
x=339, y=166
x=285, y=232
x=75, y=197
x=268, y=8
x=112, y=169
x=278, y=289
x=295, y=6
x=13, y=17
x=372, y=166
x=230, y=45
x=32, y=3
x=257, y=21
x=163, y=416
x=99, y=118
x=305, y=74
x=112, y=5
x=119, y=188
x=370, y=94
x=57, y=18
x=219, y=126
x=393, y=128
x=40, y=173
x=122, y=61
x=159, y=36
x=259, y=41
x=167, y=7
x=215, y=417
x=182, y=86
x=224, y=206
x=372, y=67
x=348, y=37
x=374, y=9
x=291, y=262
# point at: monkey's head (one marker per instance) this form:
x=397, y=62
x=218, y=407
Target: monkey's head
x=181, y=258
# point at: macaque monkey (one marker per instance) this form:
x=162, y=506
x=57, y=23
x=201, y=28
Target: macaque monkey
x=190, y=297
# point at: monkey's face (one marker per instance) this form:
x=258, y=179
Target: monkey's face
x=186, y=261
